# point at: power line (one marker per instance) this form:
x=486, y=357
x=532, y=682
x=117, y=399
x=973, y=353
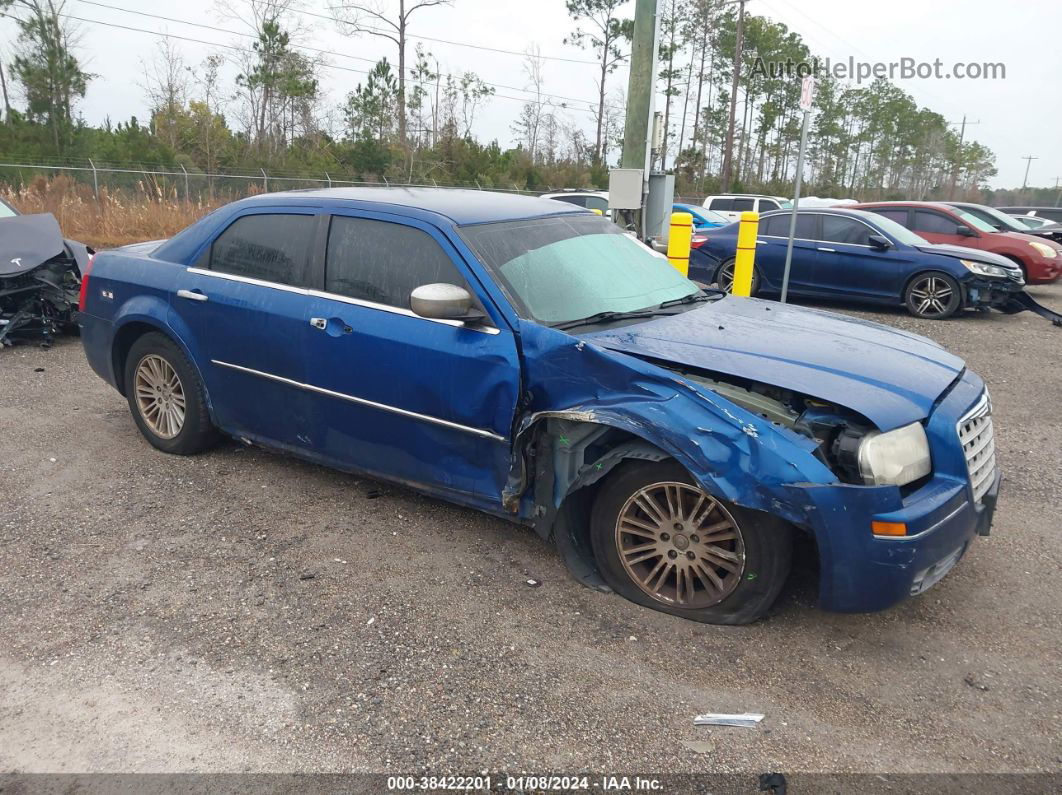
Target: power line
x=318, y=50
x=449, y=41
x=233, y=47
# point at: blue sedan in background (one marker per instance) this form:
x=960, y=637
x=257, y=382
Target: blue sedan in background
x=702, y=218
x=856, y=255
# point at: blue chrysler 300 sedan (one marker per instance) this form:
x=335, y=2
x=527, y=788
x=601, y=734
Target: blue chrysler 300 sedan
x=862, y=256
x=529, y=359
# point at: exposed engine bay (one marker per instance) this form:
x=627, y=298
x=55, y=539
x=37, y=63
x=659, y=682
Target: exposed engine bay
x=837, y=430
x=40, y=277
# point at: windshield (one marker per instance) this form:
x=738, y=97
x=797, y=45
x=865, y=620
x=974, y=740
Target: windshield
x=900, y=233
x=556, y=270
x=786, y=204
x=6, y=210
x=994, y=216
x=973, y=220
x=713, y=216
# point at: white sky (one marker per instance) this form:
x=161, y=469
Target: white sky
x=1020, y=115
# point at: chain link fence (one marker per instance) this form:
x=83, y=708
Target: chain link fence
x=179, y=183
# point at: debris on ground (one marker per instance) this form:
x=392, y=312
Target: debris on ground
x=745, y=719
x=974, y=682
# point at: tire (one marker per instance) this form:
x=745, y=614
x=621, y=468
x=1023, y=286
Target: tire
x=933, y=295
x=750, y=559
x=724, y=277
x=159, y=381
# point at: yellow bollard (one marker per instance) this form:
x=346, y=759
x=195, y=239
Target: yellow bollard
x=596, y=211
x=746, y=254
x=678, y=242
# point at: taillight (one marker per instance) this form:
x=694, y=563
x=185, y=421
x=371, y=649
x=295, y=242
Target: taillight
x=84, y=284
x=698, y=240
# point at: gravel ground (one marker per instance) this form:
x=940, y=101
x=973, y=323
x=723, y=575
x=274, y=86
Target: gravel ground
x=245, y=611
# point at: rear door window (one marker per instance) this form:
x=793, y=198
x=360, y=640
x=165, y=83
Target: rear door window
x=273, y=247
x=766, y=205
x=743, y=205
x=778, y=226
x=722, y=205
x=383, y=262
x=933, y=223
x=899, y=216
x=578, y=201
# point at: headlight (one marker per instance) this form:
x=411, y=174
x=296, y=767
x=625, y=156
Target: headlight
x=983, y=268
x=897, y=457
x=1044, y=249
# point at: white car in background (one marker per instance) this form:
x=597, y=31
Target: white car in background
x=732, y=205
x=591, y=199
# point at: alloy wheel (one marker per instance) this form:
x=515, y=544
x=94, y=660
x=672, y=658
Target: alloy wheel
x=679, y=545
x=931, y=296
x=160, y=396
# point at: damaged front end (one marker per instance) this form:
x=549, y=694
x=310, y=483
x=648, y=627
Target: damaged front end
x=40, y=278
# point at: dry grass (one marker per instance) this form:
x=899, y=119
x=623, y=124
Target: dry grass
x=117, y=218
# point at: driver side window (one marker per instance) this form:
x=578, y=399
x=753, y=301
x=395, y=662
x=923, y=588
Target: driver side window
x=383, y=262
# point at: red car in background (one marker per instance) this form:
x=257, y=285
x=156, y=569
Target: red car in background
x=1040, y=259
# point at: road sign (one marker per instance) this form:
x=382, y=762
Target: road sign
x=807, y=93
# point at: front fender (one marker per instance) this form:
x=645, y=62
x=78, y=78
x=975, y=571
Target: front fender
x=732, y=453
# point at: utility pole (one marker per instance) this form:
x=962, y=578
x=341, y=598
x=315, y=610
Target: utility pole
x=958, y=157
x=728, y=154
x=1028, y=162
x=641, y=85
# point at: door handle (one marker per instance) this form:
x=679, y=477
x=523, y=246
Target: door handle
x=319, y=323
x=831, y=250
x=191, y=295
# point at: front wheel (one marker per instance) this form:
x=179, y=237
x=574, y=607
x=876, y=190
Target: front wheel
x=662, y=541
x=724, y=278
x=933, y=295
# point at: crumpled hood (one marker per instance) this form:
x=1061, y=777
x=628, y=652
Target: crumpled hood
x=27, y=241
x=975, y=254
x=889, y=376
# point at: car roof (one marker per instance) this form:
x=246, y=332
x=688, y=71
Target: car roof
x=862, y=215
x=460, y=206
x=910, y=203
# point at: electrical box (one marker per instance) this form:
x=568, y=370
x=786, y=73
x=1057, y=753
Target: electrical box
x=658, y=207
x=625, y=189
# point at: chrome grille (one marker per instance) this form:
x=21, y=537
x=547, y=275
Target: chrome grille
x=979, y=446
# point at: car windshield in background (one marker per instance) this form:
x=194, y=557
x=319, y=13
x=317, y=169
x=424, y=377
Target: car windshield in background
x=899, y=233
x=786, y=204
x=6, y=210
x=556, y=270
x=1002, y=218
x=973, y=220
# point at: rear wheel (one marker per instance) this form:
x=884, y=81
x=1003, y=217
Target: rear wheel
x=933, y=295
x=166, y=396
x=724, y=278
x=662, y=541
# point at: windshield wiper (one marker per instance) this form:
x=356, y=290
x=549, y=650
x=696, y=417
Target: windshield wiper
x=603, y=317
x=693, y=298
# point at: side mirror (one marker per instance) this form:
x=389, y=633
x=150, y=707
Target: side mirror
x=443, y=301
x=880, y=242
x=965, y=231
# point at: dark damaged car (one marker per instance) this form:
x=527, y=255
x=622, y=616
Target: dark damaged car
x=528, y=359
x=40, y=277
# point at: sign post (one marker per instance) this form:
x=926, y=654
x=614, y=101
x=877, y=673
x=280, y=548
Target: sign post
x=807, y=96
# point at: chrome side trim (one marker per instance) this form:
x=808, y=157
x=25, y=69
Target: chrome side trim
x=394, y=310
x=363, y=402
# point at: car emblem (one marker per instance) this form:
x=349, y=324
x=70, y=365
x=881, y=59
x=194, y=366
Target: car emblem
x=17, y=262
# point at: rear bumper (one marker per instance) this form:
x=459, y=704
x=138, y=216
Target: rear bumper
x=97, y=338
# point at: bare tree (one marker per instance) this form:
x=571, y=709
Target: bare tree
x=165, y=82
x=528, y=124
x=374, y=18
x=606, y=31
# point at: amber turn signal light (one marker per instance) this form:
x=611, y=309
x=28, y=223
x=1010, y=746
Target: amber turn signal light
x=888, y=528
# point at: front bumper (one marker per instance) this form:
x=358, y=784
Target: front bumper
x=1043, y=270
x=980, y=291
x=861, y=572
